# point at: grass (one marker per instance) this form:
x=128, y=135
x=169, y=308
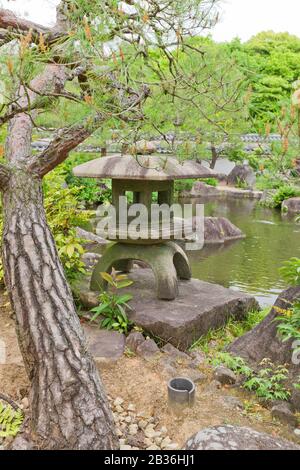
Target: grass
x=217, y=340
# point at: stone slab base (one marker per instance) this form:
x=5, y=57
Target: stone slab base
x=200, y=307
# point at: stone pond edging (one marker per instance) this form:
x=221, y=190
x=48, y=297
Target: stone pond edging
x=203, y=190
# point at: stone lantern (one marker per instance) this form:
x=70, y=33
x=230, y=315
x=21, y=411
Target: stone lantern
x=144, y=179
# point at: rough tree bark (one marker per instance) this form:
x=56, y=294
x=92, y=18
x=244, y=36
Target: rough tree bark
x=69, y=408
x=214, y=157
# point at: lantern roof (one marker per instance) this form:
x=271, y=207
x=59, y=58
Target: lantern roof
x=142, y=167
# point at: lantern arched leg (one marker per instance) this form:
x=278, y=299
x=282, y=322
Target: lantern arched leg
x=167, y=261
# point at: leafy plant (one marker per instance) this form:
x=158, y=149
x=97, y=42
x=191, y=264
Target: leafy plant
x=269, y=382
x=289, y=327
x=268, y=181
x=236, y=364
x=64, y=214
x=10, y=421
x=210, y=181
x=283, y=193
x=70, y=251
x=290, y=271
x=184, y=185
x=112, y=305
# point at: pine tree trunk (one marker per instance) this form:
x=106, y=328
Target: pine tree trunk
x=69, y=407
x=214, y=157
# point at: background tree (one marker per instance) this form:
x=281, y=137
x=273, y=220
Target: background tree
x=88, y=59
x=200, y=124
x=270, y=62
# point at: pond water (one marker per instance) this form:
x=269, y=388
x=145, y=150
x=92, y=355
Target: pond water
x=250, y=265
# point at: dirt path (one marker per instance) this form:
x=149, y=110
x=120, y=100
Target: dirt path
x=144, y=384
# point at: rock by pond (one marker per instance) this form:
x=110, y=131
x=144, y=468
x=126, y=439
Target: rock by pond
x=242, y=174
x=291, y=206
x=204, y=190
x=220, y=230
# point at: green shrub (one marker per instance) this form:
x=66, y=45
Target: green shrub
x=283, y=193
x=269, y=382
x=268, y=181
x=90, y=190
x=184, y=185
x=290, y=271
x=209, y=181
x=64, y=214
x=187, y=185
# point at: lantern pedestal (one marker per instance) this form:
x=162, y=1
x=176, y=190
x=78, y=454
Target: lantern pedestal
x=167, y=260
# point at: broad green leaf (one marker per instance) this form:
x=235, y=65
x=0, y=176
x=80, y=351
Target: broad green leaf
x=123, y=284
x=107, y=277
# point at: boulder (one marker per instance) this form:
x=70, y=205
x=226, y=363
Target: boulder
x=81, y=291
x=217, y=230
x=168, y=365
x=291, y=206
x=104, y=345
x=175, y=353
x=242, y=174
x=283, y=413
x=88, y=299
x=236, y=438
x=202, y=189
x=263, y=341
x=295, y=399
x=232, y=403
x=224, y=375
x=198, y=359
x=134, y=339
x=148, y=349
x=220, y=230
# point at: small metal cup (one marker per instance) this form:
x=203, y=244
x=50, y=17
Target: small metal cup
x=181, y=393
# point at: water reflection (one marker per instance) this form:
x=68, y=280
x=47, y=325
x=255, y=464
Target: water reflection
x=252, y=264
